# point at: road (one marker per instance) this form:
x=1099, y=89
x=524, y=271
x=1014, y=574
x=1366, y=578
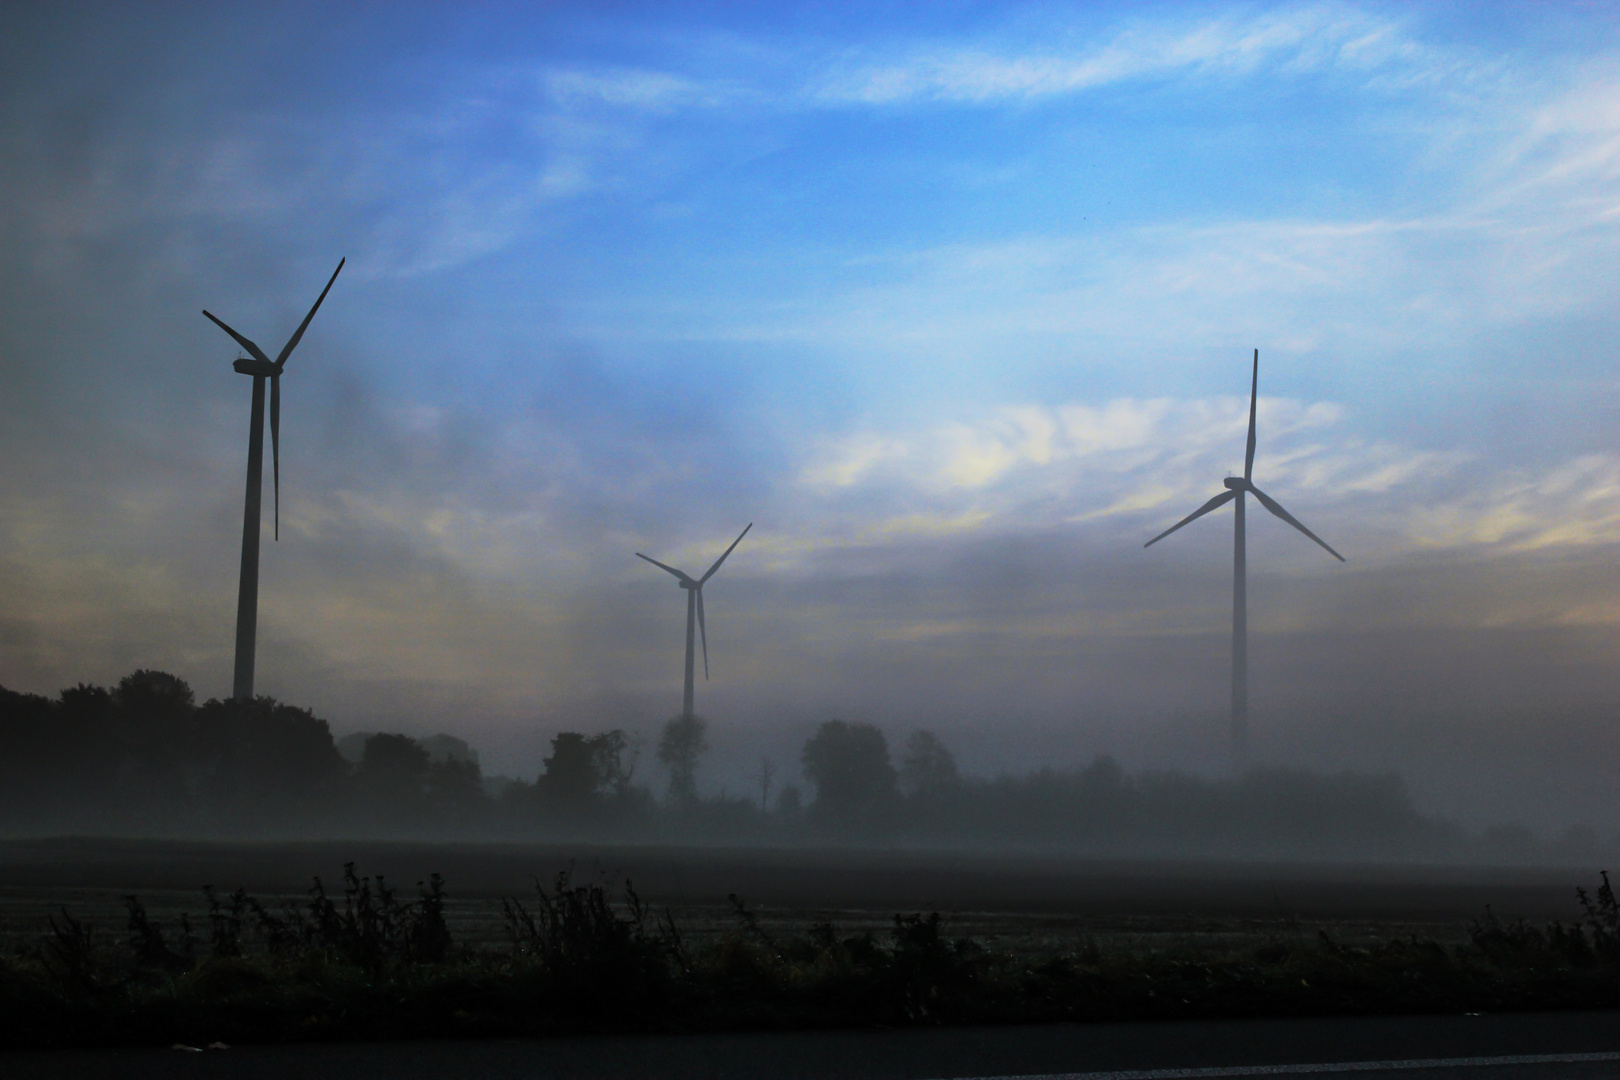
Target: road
x=1541, y=1046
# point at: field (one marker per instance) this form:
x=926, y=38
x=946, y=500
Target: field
x=1017, y=904
x=818, y=938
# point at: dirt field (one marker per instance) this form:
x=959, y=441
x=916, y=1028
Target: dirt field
x=1016, y=903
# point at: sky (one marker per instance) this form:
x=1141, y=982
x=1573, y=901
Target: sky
x=955, y=303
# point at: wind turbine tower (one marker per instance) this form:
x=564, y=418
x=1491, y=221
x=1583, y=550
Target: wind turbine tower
x=694, y=613
x=1236, y=488
x=261, y=367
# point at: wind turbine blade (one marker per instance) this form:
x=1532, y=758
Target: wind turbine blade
x=722, y=558
x=1254, y=396
x=286, y=350
x=253, y=350
x=661, y=566
x=703, y=632
x=1220, y=500
x=275, y=444
x=1276, y=508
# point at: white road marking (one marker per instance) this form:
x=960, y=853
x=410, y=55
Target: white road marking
x=1318, y=1067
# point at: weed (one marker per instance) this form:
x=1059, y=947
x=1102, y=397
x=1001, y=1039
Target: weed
x=934, y=978
x=146, y=939
x=225, y=921
x=374, y=929
x=751, y=924
x=605, y=960
x=368, y=964
x=281, y=936
x=72, y=948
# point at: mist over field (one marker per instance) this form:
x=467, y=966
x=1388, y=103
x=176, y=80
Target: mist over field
x=956, y=306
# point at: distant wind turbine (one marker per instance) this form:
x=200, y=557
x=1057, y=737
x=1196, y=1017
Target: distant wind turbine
x=261, y=368
x=1235, y=489
x=694, y=612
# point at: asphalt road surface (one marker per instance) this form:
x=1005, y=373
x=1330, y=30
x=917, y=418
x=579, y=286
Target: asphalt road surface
x=1542, y=1046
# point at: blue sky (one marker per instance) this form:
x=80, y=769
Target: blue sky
x=954, y=301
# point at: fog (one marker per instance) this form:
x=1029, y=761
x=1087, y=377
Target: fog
x=143, y=758
x=957, y=343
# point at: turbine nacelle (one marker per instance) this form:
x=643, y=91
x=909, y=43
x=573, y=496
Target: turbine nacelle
x=248, y=366
x=1237, y=483
x=694, y=607
x=261, y=366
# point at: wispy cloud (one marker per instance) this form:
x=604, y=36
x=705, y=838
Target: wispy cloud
x=1128, y=461
x=1136, y=465
x=1575, y=503
x=636, y=89
x=1291, y=42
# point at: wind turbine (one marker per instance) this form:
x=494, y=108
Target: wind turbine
x=694, y=611
x=261, y=368
x=1236, y=487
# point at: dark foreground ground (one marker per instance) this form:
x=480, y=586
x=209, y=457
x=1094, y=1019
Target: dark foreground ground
x=1201, y=953
x=1015, y=902
x=1505, y=1047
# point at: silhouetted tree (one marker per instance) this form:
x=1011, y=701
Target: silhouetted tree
x=583, y=769
x=766, y=774
x=569, y=781
x=456, y=796
x=393, y=779
x=163, y=759
x=855, y=783
x=52, y=760
x=144, y=758
x=455, y=782
x=682, y=743
x=927, y=768
x=442, y=747
x=615, y=761
x=268, y=765
x=395, y=761
x=154, y=693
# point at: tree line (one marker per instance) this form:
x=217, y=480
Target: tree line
x=143, y=757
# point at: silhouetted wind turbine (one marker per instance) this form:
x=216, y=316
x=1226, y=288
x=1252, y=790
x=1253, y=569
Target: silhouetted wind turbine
x=694, y=611
x=1235, y=488
x=261, y=368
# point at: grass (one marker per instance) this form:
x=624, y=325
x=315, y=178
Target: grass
x=371, y=964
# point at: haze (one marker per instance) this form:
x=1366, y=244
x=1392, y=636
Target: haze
x=955, y=305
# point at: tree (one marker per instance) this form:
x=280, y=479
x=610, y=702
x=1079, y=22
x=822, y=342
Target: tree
x=162, y=759
x=927, y=769
x=855, y=782
x=581, y=770
x=268, y=764
x=456, y=792
x=394, y=780
x=154, y=693
x=570, y=777
x=767, y=773
x=608, y=758
x=52, y=761
x=683, y=742
x=442, y=747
